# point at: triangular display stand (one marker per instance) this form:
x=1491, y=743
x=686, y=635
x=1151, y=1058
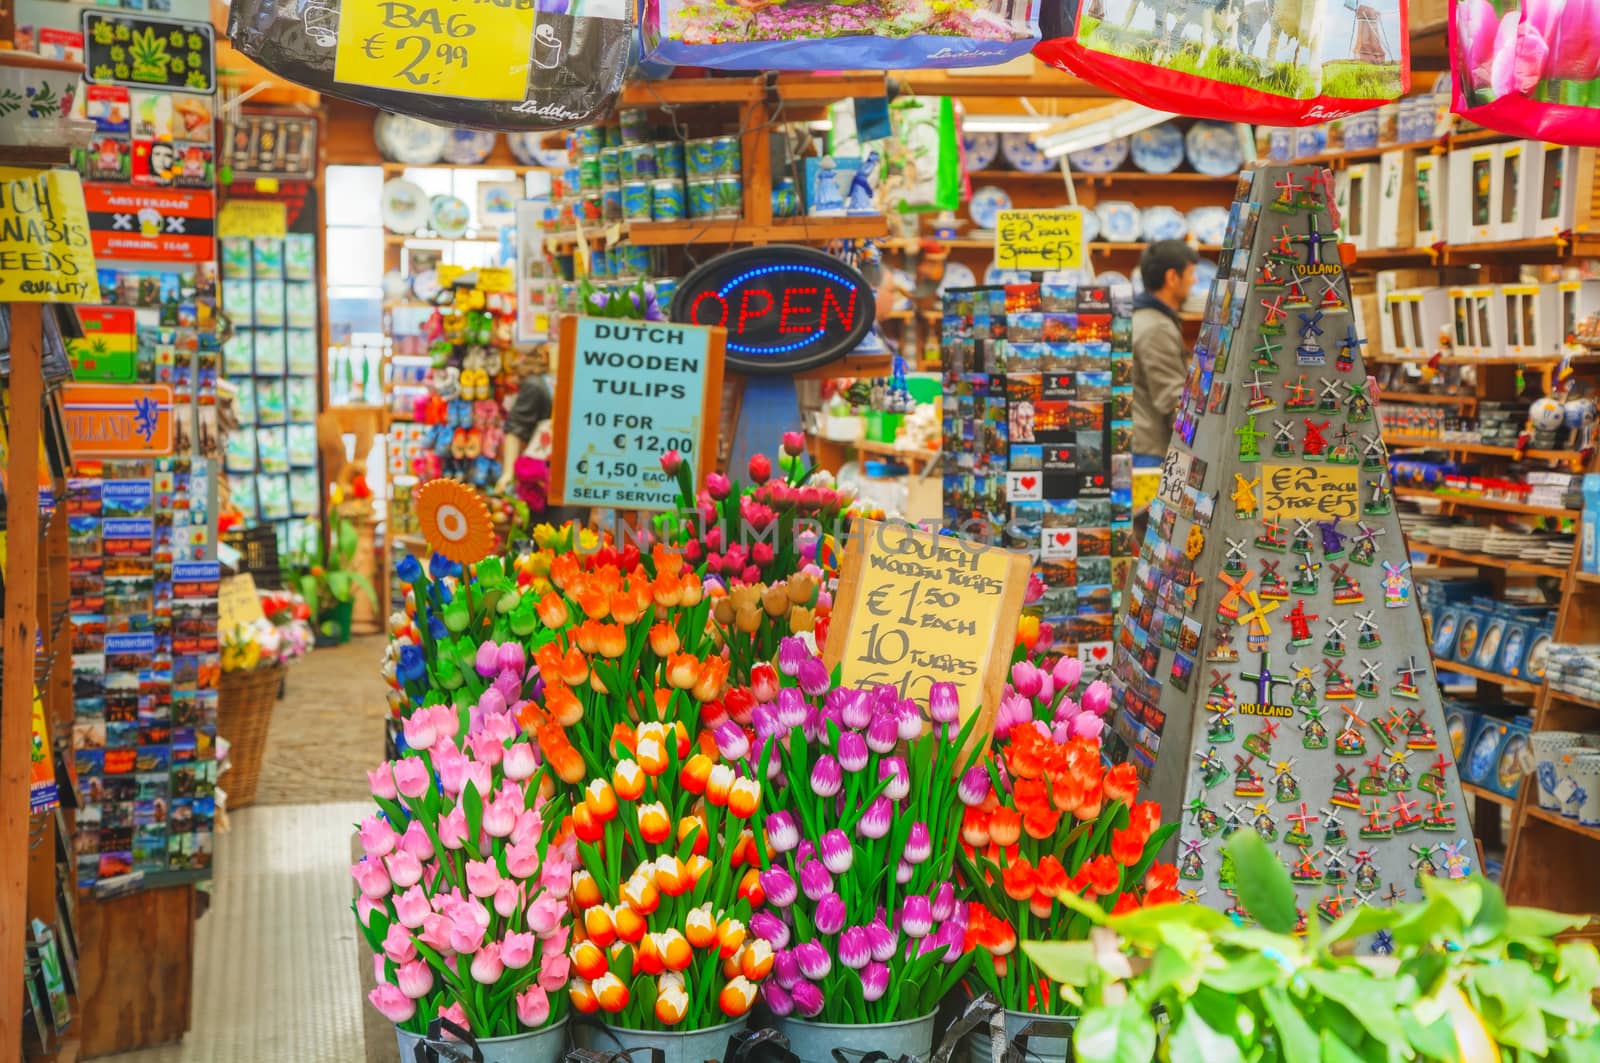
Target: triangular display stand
x=1275, y=675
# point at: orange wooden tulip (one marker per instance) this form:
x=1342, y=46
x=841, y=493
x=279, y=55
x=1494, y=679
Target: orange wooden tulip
x=1005, y=826
x=756, y=961
x=666, y=560
x=562, y=704
x=623, y=740
x=628, y=779
x=698, y=865
x=600, y=800
x=630, y=924
x=651, y=749
x=640, y=892
x=730, y=935
x=552, y=610
x=588, y=960
x=736, y=997
x=584, y=825
x=693, y=825
x=700, y=927
x=693, y=590
x=683, y=670
x=674, y=948
x=597, y=923
x=713, y=677
x=744, y=797
x=672, y=1004
x=613, y=641
x=582, y=994
x=609, y=990
x=667, y=589
x=672, y=875
x=574, y=667
x=750, y=888
x=694, y=773
x=585, y=890
x=647, y=957
x=548, y=658
x=664, y=641
x=655, y=826
x=625, y=609
x=718, y=785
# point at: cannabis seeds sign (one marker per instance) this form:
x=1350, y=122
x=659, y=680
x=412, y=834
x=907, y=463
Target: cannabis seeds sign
x=125, y=49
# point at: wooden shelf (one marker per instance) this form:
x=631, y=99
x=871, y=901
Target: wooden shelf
x=736, y=91
x=1428, y=399
x=1477, y=448
x=1360, y=154
x=738, y=231
x=1503, y=681
x=968, y=243
x=1509, y=564
x=1587, y=577
x=1114, y=177
x=405, y=238
x=394, y=169
x=889, y=450
x=1487, y=795
x=1396, y=257
x=1418, y=494
x=1592, y=833
x=1543, y=248
x=1575, y=699
x=1529, y=361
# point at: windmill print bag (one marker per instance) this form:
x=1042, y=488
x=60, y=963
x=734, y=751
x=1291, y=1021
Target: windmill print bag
x=838, y=34
x=1531, y=71
x=1277, y=62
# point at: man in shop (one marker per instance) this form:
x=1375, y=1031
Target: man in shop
x=1160, y=357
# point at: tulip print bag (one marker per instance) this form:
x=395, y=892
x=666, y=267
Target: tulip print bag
x=1531, y=70
x=838, y=34
x=1274, y=62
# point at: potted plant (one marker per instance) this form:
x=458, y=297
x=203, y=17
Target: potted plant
x=324, y=577
x=1455, y=976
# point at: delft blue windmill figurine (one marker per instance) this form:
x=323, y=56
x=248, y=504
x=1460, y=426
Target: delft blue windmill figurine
x=1349, y=348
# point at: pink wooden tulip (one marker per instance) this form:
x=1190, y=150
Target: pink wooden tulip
x=411, y=777
x=507, y=898
x=456, y=1014
x=554, y=969
x=522, y=861
x=520, y=761
x=411, y=907
x=533, y=1006
x=394, y=1005
x=516, y=950
x=380, y=781
x=405, y=870
x=416, y=841
x=371, y=878
x=399, y=945
x=483, y=878
x=414, y=979
x=377, y=837
x=487, y=966
x=453, y=828
x=436, y=933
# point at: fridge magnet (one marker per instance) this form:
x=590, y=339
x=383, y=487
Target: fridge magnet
x=1438, y=817
x=1220, y=727
x=1304, y=693
x=1303, y=531
x=1305, y=870
x=1343, y=451
x=1300, y=621
x=1234, y=563
x=1207, y=820
x=1377, y=822
x=1282, y=438
x=1281, y=247
x=1310, y=324
x=1368, y=687
x=1259, y=742
x=1378, y=501
x=1331, y=297
x=1290, y=195
x=1392, y=727
x=1406, y=686
x=1333, y=645
x=1301, y=822
x=1372, y=782
x=1367, y=636
x=1212, y=770
x=1396, y=585
x=1358, y=406
x=1403, y=814
x=1274, y=321
x=1260, y=401
x=1273, y=536
x=1332, y=827
x=1315, y=447
x=1191, y=863
x=1305, y=579
x=1366, y=545
x=1423, y=862
x=1344, y=788
x=1261, y=822
x=1366, y=871
x=1269, y=278
x=1246, y=780
x=1310, y=354
x=1331, y=908
x=1335, y=683
x=1244, y=500
x=1397, y=774
x=1346, y=591
x=1266, y=356
x=1284, y=780
x=1329, y=398
x=1419, y=735
x=1350, y=742
x=1259, y=631
x=1374, y=455
x=1249, y=439
x=1332, y=539
x=1222, y=648
x=1432, y=781
x=1349, y=348
x=1313, y=732
x=1301, y=395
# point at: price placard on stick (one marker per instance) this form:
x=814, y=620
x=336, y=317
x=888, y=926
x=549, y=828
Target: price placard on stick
x=626, y=393
x=473, y=50
x=1040, y=239
x=915, y=608
x=1307, y=492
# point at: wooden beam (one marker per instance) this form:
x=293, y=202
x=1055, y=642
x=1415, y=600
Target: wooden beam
x=16, y=682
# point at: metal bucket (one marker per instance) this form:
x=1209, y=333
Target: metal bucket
x=980, y=1047
x=545, y=1045
x=814, y=1042
x=688, y=1046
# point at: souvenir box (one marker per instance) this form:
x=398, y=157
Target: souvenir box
x=1475, y=189
x=1550, y=188
x=1430, y=192
x=1512, y=196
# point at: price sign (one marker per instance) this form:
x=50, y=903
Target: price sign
x=1307, y=492
x=238, y=604
x=478, y=50
x=915, y=608
x=626, y=393
x=253, y=217
x=45, y=252
x=1040, y=239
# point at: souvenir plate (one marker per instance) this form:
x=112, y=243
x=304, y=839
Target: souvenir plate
x=425, y=285
x=1158, y=149
x=1208, y=225
x=981, y=150
x=404, y=206
x=995, y=275
x=1111, y=278
x=1119, y=221
x=1019, y=150
x=987, y=203
x=449, y=215
x=526, y=148
x=409, y=140
x=1162, y=223
x=1214, y=148
x=468, y=147
x=1102, y=159
x=957, y=275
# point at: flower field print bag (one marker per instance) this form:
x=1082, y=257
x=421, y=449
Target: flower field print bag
x=1531, y=70
x=514, y=65
x=1276, y=62
x=838, y=34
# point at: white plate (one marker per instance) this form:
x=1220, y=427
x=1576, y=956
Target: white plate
x=1214, y=148
x=449, y=215
x=1119, y=221
x=1019, y=150
x=987, y=203
x=1158, y=149
x=1091, y=224
x=1208, y=225
x=409, y=140
x=425, y=285
x=1101, y=159
x=1162, y=223
x=404, y=207
x=995, y=275
x=957, y=275
x=468, y=147
x=528, y=150
x=981, y=150
x=1110, y=277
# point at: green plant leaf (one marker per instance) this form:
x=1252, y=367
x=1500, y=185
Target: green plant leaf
x=1121, y=1033
x=472, y=809
x=1436, y=1040
x=1368, y=1001
x=1170, y=968
x=1245, y=974
x=1335, y=1050
x=1490, y=922
x=1580, y=964
x=1067, y=962
x=1261, y=883
x=1294, y=1034
x=1204, y=1031
x=338, y=585
x=1536, y=926
x=1360, y=922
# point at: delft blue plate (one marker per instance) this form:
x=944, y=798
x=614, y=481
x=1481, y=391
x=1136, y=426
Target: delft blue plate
x=1162, y=223
x=1214, y=148
x=995, y=275
x=1111, y=277
x=1119, y=221
x=468, y=147
x=1102, y=159
x=1091, y=223
x=957, y=275
x=528, y=151
x=412, y=141
x=981, y=150
x=1022, y=155
x=1208, y=225
x=987, y=203
x=1158, y=149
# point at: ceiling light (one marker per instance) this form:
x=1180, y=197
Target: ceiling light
x=1006, y=123
x=1090, y=129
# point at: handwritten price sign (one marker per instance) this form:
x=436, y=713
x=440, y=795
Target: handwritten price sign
x=1309, y=493
x=1040, y=239
x=473, y=49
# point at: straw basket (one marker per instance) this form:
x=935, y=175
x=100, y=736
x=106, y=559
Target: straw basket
x=244, y=713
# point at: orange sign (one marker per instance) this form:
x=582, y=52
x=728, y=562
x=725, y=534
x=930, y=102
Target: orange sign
x=118, y=420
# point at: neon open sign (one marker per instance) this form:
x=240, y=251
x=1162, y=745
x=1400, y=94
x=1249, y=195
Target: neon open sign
x=785, y=307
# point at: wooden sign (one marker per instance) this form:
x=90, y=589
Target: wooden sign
x=1308, y=492
x=915, y=608
x=1040, y=239
x=45, y=248
x=626, y=393
x=238, y=604
x=118, y=420
x=437, y=49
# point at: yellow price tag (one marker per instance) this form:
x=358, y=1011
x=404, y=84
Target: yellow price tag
x=1307, y=492
x=472, y=50
x=1040, y=239
x=252, y=217
x=496, y=279
x=45, y=252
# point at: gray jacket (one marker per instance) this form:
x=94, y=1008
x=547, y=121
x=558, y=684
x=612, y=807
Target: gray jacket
x=1160, y=366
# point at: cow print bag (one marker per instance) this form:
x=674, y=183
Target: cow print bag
x=1277, y=62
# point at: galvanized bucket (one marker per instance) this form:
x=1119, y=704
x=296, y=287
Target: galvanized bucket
x=546, y=1045
x=689, y=1046
x=1038, y=1048
x=816, y=1042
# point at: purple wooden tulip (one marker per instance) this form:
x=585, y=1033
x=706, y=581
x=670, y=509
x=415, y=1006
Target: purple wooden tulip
x=731, y=740
x=855, y=951
x=807, y=998
x=791, y=652
x=974, y=786
x=828, y=919
x=874, y=981
x=908, y=720
x=826, y=776
x=881, y=940
x=882, y=733
x=918, y=845
x=792, y=708
x=779, y=887
x=813, y=676
x=837, y=855
x=813, y=959
x=785, y=969
x=916, y=916
x=855, y=709
x=944, y=901
x=779, y=1002
x=770, y=928
x=877, y=819
x=894, y=769
x=782, y=833
x=815, y=882
x=852, y=751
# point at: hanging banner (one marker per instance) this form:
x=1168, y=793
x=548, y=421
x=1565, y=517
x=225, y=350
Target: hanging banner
x=45, y=247
x=151, y=223
x=118, y=420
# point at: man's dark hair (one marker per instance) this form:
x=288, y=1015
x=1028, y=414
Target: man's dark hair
x=1160, y=257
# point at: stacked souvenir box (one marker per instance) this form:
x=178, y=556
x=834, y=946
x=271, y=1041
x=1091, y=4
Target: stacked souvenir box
x=1038, y=434
x=270, y=296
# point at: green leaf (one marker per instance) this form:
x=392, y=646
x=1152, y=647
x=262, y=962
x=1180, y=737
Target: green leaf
x=1580, y=964
x=472, y=809
x=1490, y=922
x=1161, y=916
x=1262, y=885
x=1361, y=922
x=1295, y=1038
x=1334, y=1050
x=1368, y=1001
x=1170, y=968
x=1067, y=962
x=1535, y=926
x=1203, y=1032
x=1122, y=1033
x=338, y=585
x=1437, y=1040
x=1245, y=974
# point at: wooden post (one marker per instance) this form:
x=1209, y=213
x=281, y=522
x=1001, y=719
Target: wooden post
x=16, y=682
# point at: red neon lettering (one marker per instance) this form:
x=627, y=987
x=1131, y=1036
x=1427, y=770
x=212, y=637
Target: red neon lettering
x=847, y=314
x=783, y=316
x=694, y=309
x=744, y=305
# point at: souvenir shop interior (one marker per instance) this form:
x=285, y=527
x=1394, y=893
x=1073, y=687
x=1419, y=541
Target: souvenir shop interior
x=783, y=530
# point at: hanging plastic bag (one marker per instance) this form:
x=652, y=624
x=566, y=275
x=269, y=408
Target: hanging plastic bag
x=514, y=65
x=1531, y=71
x=838, y=34
x=1274, y=62
x=924, y=161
